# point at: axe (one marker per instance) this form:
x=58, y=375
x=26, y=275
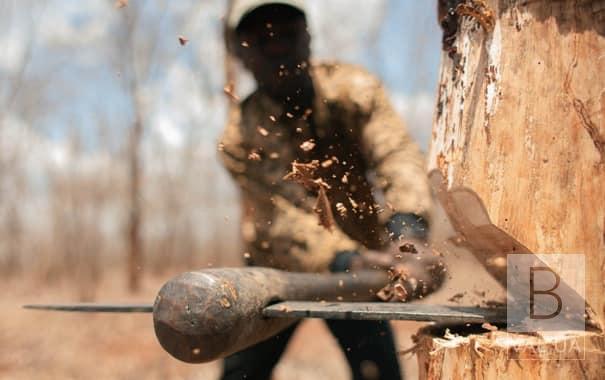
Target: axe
x=207, y=315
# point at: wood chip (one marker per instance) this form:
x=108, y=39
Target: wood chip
x=327, y=163
x=229, y=90
x=308, y=145
x=456, y=297
x=408, y=248
x=489, y=327
x=342, y=210
x=284, y=309
x=353, y=203
x=304, y=174
x=323, y=209
x=263, y=132
x=254, y=156
x=400, y=293
x=225, y=303
x=183, y=40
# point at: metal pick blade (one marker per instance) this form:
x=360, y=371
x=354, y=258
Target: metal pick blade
x=386, y=311
x=94, y=308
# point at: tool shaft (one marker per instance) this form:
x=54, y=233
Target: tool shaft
x=207, y=315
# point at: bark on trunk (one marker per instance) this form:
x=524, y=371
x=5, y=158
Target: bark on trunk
x=520, y=121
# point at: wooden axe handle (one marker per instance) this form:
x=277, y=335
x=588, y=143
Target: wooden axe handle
x=207, y=315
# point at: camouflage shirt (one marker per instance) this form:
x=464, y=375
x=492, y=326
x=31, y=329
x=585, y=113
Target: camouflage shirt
x=367, y=159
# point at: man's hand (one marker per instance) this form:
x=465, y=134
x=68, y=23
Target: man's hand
x=415, y=269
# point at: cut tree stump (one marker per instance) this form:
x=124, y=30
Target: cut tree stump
x=520, y=122
x=467, y=354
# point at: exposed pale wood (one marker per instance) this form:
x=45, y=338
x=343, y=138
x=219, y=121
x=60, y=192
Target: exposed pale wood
x=520, y=121
x=503, y=356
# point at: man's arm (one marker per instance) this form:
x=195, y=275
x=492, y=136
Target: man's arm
x=396, y=159
x=401, y=176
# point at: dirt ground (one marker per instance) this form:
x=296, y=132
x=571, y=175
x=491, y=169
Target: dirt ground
x=44, y=345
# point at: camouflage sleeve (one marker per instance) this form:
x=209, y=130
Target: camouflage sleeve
x=395, y=158
x=232, y=149
x=306, y=245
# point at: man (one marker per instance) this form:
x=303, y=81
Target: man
x=358, y=180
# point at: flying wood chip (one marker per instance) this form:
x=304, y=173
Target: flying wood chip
x=308, y=145
x=120, y=3
x=229, y=90
x=304, y=174
x=323, y=209
x=254, y=156
x=183, y=40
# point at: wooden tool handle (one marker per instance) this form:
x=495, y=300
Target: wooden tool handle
x=207, y=315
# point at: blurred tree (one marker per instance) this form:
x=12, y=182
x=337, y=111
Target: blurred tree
x=20, y=100
x=136, y=55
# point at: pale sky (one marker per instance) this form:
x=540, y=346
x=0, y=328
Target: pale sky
x=74, y=42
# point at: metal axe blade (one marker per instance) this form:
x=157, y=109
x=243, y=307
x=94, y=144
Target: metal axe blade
x=327, y=310
x=94, y=308
x=386, y=311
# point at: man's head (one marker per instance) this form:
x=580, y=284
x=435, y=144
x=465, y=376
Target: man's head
x=272, y=41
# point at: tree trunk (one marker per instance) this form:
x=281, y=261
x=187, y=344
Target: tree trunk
x=135, y=260
x=520, y=121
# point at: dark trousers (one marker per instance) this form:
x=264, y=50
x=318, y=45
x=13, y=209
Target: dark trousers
x=369, y=347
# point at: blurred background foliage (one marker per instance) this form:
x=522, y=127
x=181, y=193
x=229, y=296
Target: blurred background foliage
x=107, y=120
